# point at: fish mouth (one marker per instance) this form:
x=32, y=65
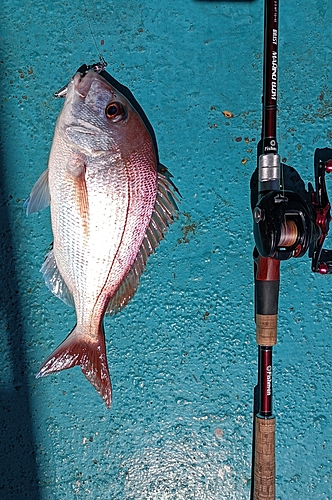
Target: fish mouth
x=84, y=127
x=82, y=84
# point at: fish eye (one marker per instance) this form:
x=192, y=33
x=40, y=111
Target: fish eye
x=115, y=112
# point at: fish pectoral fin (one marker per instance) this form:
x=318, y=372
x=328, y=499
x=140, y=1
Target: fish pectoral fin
x=54, y=280
x=76, y=168
x=75, y=350
x=165, y=210
x=76, y=165
x=40, y=195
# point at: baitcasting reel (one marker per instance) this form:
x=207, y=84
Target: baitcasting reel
x=287, y=224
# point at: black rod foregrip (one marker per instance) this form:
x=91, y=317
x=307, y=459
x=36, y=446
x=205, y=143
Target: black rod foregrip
x=267, y=280
x=266, y=297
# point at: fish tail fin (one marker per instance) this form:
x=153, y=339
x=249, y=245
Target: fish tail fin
x=89, y=355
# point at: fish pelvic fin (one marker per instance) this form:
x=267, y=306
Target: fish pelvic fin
x=40, y=195
x=54, y=280
x=90, y=355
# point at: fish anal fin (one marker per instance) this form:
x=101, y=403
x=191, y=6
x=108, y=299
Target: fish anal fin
x=126, y=290
x=76, y=350
x=165, y=210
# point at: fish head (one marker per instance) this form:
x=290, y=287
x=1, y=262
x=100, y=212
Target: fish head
x=97, y=118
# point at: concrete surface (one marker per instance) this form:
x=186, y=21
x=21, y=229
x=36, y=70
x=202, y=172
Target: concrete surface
x=182, y=354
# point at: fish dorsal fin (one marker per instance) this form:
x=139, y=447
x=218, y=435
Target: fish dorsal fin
x=165, y=209
x=54, y=280
x=40, y=195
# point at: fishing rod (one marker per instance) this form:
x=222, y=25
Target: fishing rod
x=267, y=269
x=288, y=221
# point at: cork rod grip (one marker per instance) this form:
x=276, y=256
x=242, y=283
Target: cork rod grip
x=264, y=462
x=266, y=329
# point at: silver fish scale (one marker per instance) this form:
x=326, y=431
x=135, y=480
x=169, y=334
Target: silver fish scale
x=94, y=250
x=109, y=210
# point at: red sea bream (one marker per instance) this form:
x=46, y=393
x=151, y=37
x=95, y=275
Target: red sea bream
x=111, y=202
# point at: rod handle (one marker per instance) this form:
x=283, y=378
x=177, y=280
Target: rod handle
x=266, y=329
x=264, y=462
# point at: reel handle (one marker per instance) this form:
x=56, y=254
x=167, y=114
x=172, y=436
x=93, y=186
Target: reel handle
x=287, y=225
x=321, y=258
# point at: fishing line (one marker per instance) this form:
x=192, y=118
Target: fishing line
x=101, y=59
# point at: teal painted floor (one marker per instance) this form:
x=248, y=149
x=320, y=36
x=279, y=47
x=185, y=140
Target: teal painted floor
x=182, y=354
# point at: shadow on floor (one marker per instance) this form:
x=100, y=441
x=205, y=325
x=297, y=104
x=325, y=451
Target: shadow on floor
x=18, y=469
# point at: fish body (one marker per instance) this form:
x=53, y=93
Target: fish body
x=111, y=202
